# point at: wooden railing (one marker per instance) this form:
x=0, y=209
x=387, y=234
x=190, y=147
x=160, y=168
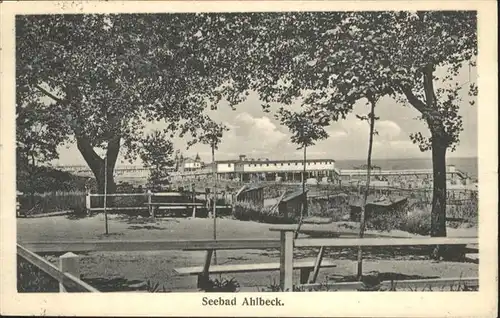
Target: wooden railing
x=146, y=245
x=149, y=205
x=68, y=273
x=288, y=243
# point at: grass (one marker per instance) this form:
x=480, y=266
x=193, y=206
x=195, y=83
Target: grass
x=221, y=285
x=418, y=222
x=393, y=287
x=30, y=279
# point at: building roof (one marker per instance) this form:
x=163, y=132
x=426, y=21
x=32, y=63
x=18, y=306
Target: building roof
x=249, y=187
x=272, y=161
x=293, y=195
x=385, y=201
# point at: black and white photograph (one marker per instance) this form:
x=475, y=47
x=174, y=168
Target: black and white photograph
x=254, y=153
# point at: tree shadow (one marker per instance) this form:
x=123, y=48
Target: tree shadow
x=141, y=220
x=77, y=216
x=100, y=236
x=145, y=227
x=373, y=278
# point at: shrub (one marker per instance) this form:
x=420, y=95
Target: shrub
x=52, y=202
x=418, y=222
x=221, y=286
x=334, y=207
x=385, y=221
x=31, y=279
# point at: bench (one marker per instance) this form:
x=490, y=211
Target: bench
x=305, y=267
x=156, y=206
x=153, y=206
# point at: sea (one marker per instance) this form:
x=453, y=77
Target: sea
x=467, y=165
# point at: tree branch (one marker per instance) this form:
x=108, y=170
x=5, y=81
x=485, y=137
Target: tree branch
x=89, y=154
x=414, y=101
x=112, y=151
x=49, y=94
x=429, y=86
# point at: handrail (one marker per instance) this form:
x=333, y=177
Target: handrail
x=364, y=242
x=147, y=245
x=288, y=243
x=66, y=279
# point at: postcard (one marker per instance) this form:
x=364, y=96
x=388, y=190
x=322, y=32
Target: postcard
x=249, y=158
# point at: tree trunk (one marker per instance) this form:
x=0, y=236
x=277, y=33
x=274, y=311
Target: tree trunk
x=438, y=212
x=303, y=208
x=362, y=221
x=439, y=144
x=111, y=185
x=97, y=164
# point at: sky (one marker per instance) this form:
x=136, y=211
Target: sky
x=259, y=135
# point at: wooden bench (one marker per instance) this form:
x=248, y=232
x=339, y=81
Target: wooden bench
x=155, y=206
x=305, y=267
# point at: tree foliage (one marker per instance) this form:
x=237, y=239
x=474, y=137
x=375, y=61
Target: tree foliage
x=211, y=134
x=331, y=60
x=108, y=75
x=305, y=130
x=156, y=153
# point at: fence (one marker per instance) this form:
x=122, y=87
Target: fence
x=144, y=201
x=286, y=244
x=457, y=199
x=68, y=273
x=50, y=202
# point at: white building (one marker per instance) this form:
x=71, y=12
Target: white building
x=191, y=164
x=270, y=170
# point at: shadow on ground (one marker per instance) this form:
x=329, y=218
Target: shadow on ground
x=374, y=278
x=145, y=227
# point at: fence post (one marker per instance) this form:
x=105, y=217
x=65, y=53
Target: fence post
x=150, y=207
x=69, y=263
x=286, y=260
x=87, y=202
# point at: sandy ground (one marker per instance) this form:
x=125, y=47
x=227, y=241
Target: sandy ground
x=158, y=266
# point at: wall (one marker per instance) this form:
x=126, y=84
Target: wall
x=192, y=165
x=274, y=166
x=224, y=167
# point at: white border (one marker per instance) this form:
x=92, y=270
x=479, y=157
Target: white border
x=396, y=304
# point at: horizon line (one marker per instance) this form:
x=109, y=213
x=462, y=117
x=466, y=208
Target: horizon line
x=336, y=160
